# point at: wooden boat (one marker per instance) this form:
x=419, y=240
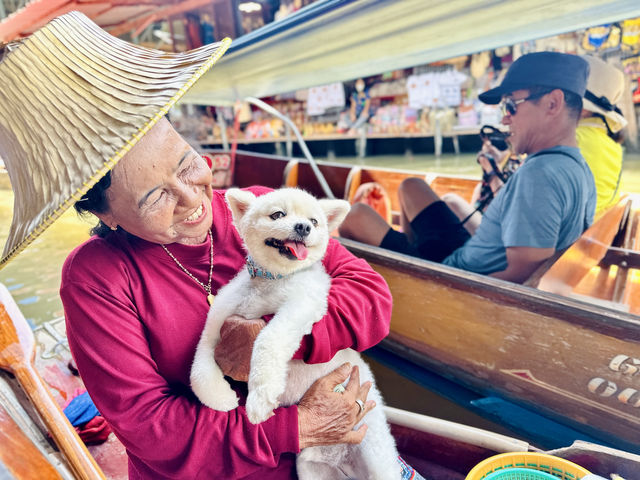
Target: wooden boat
x=572, y=357
x=438, y=449
x=565, y=347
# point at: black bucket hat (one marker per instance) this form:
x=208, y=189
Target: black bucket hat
x=545, y=69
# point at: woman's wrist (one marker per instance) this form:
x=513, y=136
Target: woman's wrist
x=303, y=424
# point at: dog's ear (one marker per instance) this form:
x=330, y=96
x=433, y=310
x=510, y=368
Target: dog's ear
x=238, y=201
x=335, y=210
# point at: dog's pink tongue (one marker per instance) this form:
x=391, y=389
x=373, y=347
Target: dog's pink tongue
x=297, y=249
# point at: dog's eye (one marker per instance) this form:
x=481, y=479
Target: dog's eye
x=277, y=215
x=314, y=222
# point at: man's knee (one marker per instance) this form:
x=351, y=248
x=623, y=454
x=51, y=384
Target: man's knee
x=415, y=195
x=412, y=185
x=364, y=224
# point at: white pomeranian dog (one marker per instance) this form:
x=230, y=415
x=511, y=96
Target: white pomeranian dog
x=286, y=233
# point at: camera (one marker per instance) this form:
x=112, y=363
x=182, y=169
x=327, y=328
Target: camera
x=497, y=138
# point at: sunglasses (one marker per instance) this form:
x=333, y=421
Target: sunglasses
x=510, y=106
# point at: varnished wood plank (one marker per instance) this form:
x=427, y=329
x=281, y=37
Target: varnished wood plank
x=586, y=253
x=19, y=456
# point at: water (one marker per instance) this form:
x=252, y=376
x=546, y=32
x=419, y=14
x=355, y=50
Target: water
x=33, y=277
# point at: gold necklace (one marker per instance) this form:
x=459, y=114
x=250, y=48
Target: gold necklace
x=207, y=287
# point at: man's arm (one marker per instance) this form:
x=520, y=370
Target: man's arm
x=522, y=262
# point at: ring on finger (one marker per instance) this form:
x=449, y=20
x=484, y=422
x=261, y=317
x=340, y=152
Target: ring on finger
x=360, y=404
x=339, y=388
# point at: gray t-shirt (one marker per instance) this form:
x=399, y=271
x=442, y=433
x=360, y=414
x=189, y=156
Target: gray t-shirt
x=547, y=203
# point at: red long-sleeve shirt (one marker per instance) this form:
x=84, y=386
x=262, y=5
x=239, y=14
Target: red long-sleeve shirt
x=134, y=319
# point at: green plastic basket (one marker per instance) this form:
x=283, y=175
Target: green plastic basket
x=520, y=474
x=536, y=463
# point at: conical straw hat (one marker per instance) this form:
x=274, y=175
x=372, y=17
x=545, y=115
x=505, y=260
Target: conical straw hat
x=73, y=101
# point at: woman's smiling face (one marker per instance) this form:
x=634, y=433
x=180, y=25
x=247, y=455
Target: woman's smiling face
x=161, y=190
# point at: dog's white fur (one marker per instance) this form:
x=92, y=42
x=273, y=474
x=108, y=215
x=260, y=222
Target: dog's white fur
x=298, y=300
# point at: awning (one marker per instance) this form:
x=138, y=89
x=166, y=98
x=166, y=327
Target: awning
x=339, y=40
x=115, y=16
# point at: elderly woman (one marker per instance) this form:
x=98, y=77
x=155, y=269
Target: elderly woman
x=91, y=131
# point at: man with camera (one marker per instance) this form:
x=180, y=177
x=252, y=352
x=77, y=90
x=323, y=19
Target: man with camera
x=545, y=206
x=498, y=163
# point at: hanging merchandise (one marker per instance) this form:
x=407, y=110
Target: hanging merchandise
x=603, y=37
x=479, y=63
x=594, y=37
x=636, y=93
x=242, y=111
x=435, y=89
x=550, y=44
x=322, y=98
x=393, y=88
x=631, y=66
x=458, y=63
x=523, y=48
x=568, y=43
x=503, y=51
x=571, y=43
x=449, y=84
x=613, y=40
x=422, y=90
x=631, y=34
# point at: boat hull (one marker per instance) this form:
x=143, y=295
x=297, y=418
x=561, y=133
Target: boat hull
x=566, y=359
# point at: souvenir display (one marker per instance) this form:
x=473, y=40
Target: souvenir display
x=415, y=101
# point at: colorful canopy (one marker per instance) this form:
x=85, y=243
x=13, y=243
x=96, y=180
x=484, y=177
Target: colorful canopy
x=115, y=16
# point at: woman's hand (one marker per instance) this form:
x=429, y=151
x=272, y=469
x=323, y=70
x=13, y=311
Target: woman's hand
x=326, y=417
x=233, y=352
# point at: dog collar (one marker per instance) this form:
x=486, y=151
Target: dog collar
x=256, y=270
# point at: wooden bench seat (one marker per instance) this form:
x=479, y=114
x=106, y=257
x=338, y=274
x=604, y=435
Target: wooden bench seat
x=579, y=270
x=390, y=180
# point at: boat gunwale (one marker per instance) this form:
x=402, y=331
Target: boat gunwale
x=330, y=164
x=616, y=323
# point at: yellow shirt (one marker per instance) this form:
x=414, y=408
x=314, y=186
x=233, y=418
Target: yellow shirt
x=604, y=157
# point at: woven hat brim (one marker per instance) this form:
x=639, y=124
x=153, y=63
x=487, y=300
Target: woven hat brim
x=74, y=101
x=615, y=121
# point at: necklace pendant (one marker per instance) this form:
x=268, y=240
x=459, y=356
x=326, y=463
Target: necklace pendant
x=210, y=298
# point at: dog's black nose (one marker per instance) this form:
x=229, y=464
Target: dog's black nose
x=302, y=229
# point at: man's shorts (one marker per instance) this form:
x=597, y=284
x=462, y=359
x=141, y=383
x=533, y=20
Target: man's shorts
x=437, y=233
